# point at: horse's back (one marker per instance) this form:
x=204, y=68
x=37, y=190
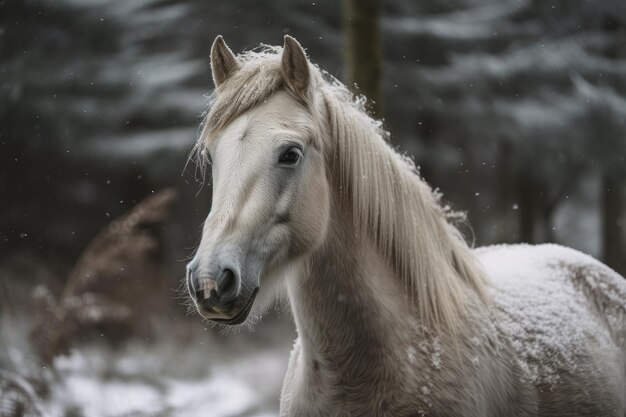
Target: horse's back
x=565, y=315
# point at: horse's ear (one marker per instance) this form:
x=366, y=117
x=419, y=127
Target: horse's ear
x=223, y=62
x=295, y=66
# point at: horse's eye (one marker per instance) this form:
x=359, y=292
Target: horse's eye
x=290, y=156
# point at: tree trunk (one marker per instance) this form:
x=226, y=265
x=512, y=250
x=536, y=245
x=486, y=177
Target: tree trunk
x=362, y=50
x=526, y=207
x=613, y=224
x=505, y=192
x=547, y=211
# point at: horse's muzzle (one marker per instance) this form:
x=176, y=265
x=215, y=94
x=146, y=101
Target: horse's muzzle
x=220, y=299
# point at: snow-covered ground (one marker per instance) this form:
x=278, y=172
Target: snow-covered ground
x=185, y=369
x=166, y=380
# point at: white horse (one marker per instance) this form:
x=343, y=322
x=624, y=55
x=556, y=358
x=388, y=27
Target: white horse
x=396, y=315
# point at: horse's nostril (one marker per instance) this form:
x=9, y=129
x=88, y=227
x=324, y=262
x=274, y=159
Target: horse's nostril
x=221, y=292
x=226, y=281
x=226, y=285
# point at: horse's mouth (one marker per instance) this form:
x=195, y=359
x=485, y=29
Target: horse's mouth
x=242, y=315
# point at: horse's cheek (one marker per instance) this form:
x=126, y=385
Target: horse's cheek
x=311, y=217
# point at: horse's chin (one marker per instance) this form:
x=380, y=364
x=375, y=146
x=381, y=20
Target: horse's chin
x=240, y=316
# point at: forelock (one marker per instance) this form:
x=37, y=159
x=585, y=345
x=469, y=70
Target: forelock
x=258, y=78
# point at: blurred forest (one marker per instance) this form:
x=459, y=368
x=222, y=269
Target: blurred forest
x=514, y=109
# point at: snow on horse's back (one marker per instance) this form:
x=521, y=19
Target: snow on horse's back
x=565, y=314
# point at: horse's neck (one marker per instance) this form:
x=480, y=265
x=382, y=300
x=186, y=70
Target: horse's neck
x=349, y=309
x=357, y=334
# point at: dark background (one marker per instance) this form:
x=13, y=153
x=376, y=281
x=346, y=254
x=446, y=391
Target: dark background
x=514, y=109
